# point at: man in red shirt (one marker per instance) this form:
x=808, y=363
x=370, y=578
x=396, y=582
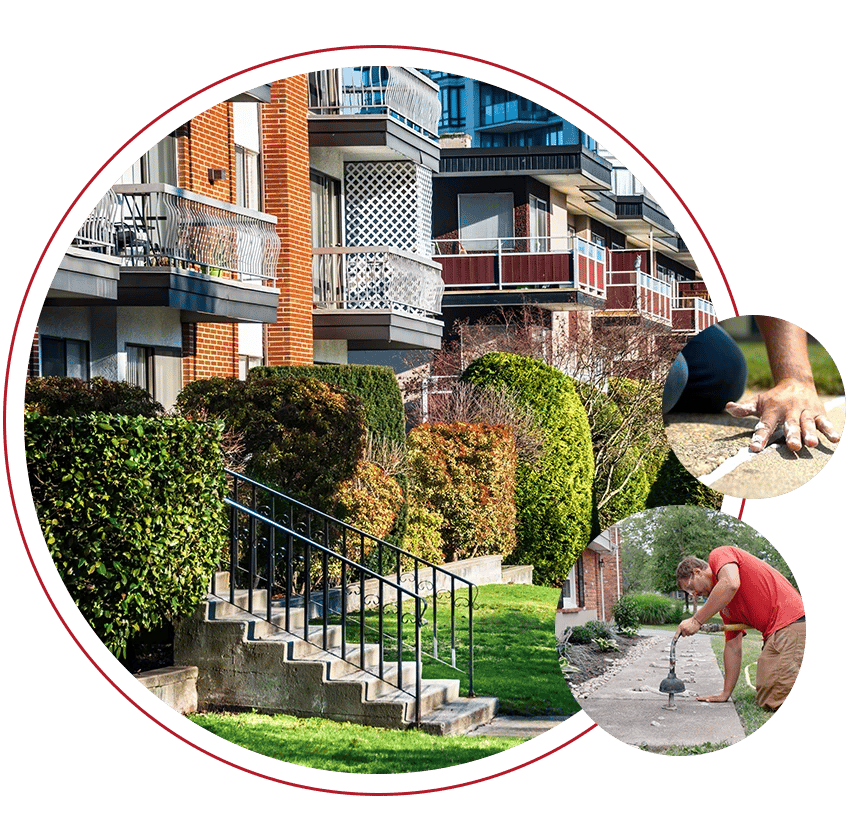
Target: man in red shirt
x=744, y=589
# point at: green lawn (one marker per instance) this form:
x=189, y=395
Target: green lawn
x=516, y=660
x=827, y=378
x=333, y=746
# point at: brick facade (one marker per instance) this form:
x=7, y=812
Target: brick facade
x=286, y=173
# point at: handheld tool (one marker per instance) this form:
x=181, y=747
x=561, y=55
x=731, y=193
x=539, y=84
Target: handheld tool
x=724, y=627
x=672, y=685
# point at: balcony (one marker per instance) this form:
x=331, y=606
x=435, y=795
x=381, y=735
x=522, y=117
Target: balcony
x=692, y=310
x=376, y=298
x=512, y=269
x=633, y=285
x=179, y=249
x=376, y=112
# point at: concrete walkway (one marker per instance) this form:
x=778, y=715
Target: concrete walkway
x=714, y=448
x=629, y=706
x=516, y=726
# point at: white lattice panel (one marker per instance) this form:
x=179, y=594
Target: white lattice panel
x=388, y=204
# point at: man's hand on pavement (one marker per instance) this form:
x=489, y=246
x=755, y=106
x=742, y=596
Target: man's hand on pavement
x=714, y=698
x=792, y=405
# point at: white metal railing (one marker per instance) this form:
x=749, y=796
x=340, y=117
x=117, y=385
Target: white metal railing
x=654, y=296
x=403, y=93
x=515, y=244
x=157, y=224
x=188, y=229
x=379, y=278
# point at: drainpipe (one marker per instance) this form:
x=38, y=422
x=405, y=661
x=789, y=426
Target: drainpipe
x=602, y=586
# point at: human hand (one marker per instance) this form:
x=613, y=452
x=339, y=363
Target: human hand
x=794, y=406
x=688, y=627
x=714, y=698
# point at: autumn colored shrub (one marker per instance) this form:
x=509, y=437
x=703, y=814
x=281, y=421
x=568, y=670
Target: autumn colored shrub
x=370, y=500
x=554, y=497
x=466, y=474
x=301, y=436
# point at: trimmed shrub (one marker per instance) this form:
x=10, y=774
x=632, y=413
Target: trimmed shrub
x=68, y=396
x=580, y=635
x=423, y=536
x=302, y=436
x=554, y=497
x=672, y=484
x=652, y=608
x=132, y=512
x=376, y=386
x=598, y=629
x=466, y=473
x=370, y=500
x=626, y=613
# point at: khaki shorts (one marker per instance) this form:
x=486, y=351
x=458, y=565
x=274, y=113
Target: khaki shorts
x=778, y=664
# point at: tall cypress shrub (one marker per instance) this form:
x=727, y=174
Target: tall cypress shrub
x=554, y=497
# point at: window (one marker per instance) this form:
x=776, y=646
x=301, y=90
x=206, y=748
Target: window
x=538, y=224
x=453, y=101
x=63, y=357
x=483, y=218
x=247, y=178
x=140, y=367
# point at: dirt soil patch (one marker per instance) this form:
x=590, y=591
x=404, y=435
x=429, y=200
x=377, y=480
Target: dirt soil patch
x=593, y=662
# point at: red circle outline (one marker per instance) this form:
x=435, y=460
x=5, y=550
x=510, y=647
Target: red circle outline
x=38, y=266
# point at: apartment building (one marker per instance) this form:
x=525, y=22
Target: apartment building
x=529, y=209
x=288, y=225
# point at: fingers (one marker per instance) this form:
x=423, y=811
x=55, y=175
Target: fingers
x=763, y=431
x=808, y=425
x=742, y=409
x=827, y=428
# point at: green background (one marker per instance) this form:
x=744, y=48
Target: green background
x=733, y=107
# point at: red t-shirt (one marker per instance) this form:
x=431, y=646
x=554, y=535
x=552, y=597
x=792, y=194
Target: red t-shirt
x=766, y=600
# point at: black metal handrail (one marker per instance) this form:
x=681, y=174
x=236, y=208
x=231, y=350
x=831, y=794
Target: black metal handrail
x=349, y=588
x=321, y=600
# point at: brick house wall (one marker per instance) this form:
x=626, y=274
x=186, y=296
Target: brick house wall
x=209, y=349
x=286, y=174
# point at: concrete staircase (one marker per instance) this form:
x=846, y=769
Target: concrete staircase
x=247, y=663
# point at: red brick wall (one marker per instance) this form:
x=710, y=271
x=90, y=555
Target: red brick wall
x=209, y=349
x=286, y=174
x=34, y=364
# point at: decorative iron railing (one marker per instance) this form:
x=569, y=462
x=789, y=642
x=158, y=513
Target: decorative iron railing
x=376, y=278
x=403, y=93
x=161, y=225
x=378, y=594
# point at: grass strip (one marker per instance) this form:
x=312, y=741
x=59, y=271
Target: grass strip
x=333, y=746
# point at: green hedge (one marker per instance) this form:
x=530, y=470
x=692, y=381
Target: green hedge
x=375, y=385
x=555, y=496
x=304, y=437
x=132, y=512
x=466, y=474
x=652, y=608
x=68, y=396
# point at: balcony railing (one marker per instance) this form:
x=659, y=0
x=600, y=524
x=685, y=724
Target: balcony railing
x=521, y=262
x=159, y=225
x=377, y=278
x=692, y=314
x=635, y=285
x=403, y=93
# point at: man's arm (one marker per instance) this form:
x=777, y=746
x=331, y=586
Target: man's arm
x=732, y=652
x=728, y=583
x=793, y=401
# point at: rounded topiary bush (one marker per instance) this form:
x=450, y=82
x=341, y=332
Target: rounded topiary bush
x=554, y=497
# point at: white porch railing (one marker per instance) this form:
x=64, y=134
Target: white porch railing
x=161, y=225
x=378, y=278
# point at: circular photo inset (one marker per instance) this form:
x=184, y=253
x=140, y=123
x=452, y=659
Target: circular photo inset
x=680, y=630
x=754, y=407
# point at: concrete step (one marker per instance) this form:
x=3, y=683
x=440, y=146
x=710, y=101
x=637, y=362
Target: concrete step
x=246, y=662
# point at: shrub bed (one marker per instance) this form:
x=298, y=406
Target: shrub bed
x=466, y=474
x=554, y=497
x=301, y=436
x=132, y=513
x=652, y=608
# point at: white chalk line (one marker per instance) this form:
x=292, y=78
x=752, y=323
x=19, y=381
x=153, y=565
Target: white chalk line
x=745, y=454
